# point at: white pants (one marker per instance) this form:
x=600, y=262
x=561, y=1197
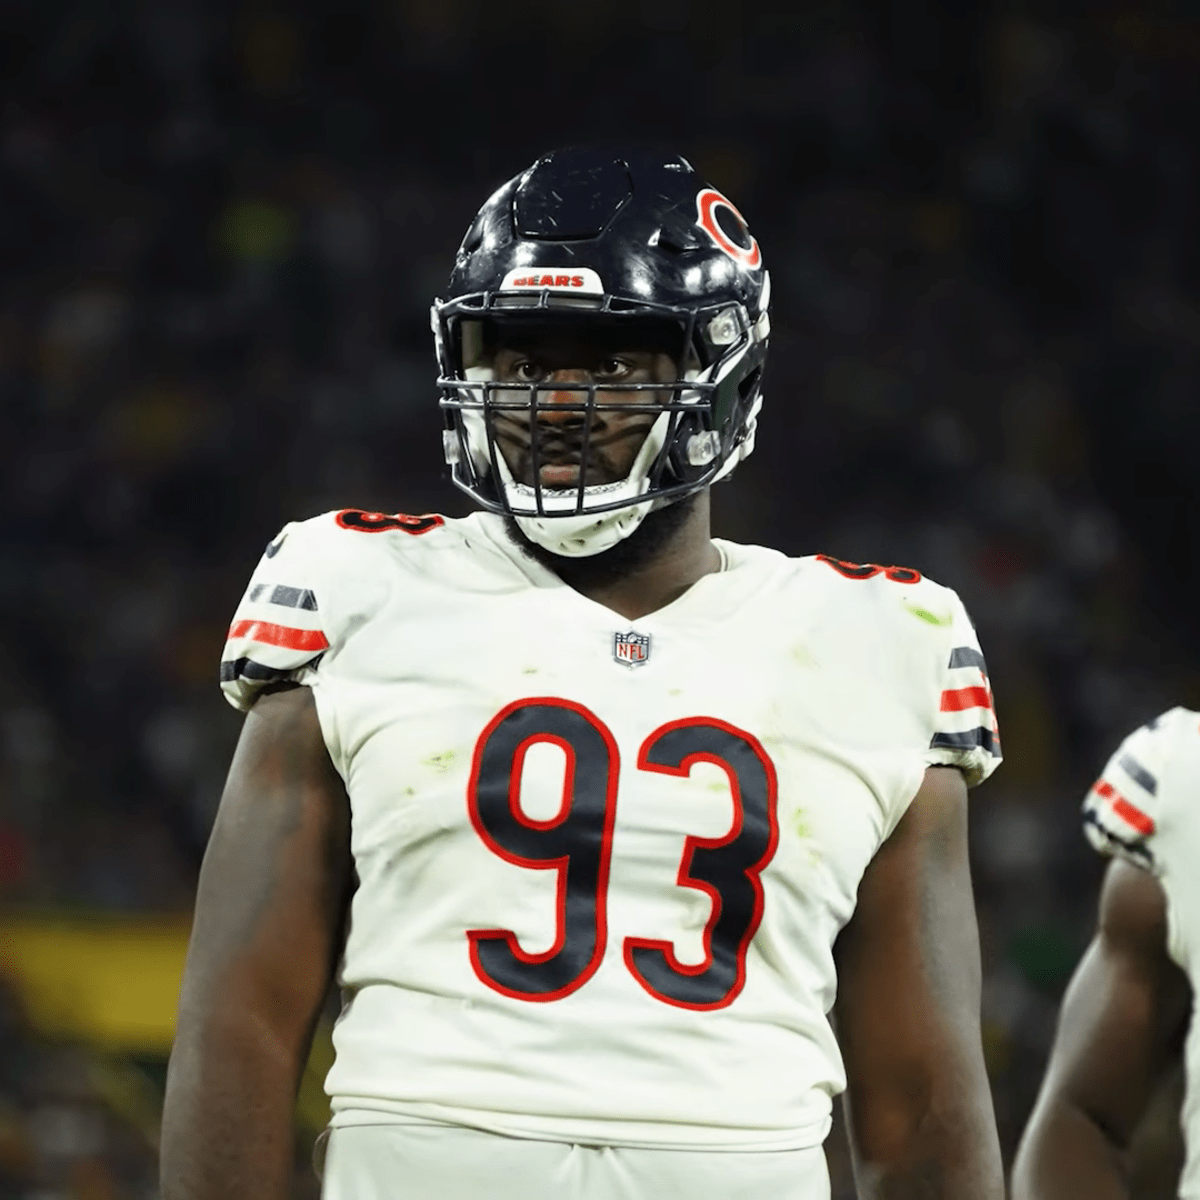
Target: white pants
x=450, y=1162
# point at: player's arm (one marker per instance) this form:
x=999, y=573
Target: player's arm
x=268, y=929
x=918, y=1104
x=1123, y=1018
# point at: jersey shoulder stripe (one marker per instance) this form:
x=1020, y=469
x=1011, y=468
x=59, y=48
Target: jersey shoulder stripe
x=277, y=633
x=1117, y=845
x=246, y=670
x=283, y=595
x=968, y=656
x=314, y=577
x=268, y=634
x=980, y=737
x=960, y=699
x=1138, y=773
x=1129, y=813
x=934, y=643
x=1122, y=813
x=966, y=710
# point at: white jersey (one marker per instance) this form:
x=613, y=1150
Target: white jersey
x=1145, y=808
x=602, y=863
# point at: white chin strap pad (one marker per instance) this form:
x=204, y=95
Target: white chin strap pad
x=584, y=535
x=580, y=535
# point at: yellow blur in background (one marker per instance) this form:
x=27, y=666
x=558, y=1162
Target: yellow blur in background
x=111, y=984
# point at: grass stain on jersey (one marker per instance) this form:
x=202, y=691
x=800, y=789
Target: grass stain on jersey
x=928, y=617
x=530, y=670
x=441, y=762
x=800, y=824
x=803, y=656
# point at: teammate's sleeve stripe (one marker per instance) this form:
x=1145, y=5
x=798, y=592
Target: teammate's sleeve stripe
x=288, y=597
x=247, y=668
x=1138, y=850
x=960, y=699
x=967, y=656
x=1131, y=815
x=1138, y=773
x=968, y=740
x=279, y=635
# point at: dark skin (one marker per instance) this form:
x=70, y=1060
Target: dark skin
x=918, y=1105
x=270, y=919
x=270, y=911
x=547, y=356
x=1122, y=1026
x=615, y=436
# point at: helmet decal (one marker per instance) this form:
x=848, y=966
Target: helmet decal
x=576, y=279
x=707, y=202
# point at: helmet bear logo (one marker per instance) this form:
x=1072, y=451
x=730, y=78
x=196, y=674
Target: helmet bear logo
x=708, y=202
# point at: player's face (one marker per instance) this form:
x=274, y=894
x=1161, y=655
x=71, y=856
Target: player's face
x=614, y=434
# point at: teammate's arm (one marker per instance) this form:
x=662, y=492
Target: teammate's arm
x=918, y=1104
x=1122, y=1021
x=268, y=928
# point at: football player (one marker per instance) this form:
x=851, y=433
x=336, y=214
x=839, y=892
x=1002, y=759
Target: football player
x=591, y=815
x=1126, y=1013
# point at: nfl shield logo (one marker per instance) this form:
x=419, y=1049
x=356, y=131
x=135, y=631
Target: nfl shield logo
x=631, y=649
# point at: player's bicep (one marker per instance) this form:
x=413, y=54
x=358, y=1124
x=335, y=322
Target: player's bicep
x=909, y=983
x=273, y=887
x=1126, y=1009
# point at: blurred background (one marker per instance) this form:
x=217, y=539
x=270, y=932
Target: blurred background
x=221, y=225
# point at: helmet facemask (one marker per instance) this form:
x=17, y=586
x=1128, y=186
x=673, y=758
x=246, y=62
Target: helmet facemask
x=695, y=426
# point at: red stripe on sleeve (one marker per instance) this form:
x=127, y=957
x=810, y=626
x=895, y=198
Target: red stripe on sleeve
x=958, y=699
x=1126, y=811
x=279, y=635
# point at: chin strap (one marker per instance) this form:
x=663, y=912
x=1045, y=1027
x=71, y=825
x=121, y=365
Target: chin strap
x=580, y=535
x=588, y=535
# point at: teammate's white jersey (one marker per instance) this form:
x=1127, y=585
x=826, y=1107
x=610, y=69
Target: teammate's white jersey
x=602, y=863
x=1145, y=808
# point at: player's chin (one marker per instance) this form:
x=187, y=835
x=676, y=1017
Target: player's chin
x=561, y=477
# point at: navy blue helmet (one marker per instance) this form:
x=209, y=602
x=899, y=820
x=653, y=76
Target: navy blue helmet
x=628, y=241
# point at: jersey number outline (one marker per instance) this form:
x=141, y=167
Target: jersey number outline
x=853, y=570
x=577, y=843
x=366, y=521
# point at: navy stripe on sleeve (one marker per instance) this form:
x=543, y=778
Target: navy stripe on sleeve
x=967, y=656
x=1135, y=850
x=247, y=668
x=1138, y=773
x=287, y=597
x=969, y=739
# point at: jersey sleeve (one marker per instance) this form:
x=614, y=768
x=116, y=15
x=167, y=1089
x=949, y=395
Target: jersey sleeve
x=1120, y=813
x=276, y=634
x=965, y=732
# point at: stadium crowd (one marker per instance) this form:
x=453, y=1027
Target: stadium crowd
x=221, y=226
